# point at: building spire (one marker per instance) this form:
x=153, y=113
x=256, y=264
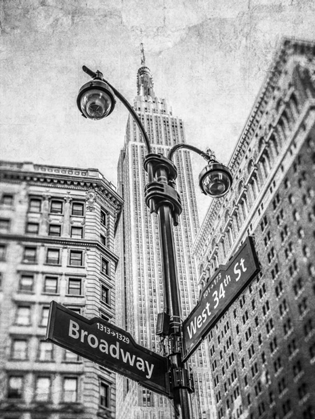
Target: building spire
x=144, y=78
x=142, y=56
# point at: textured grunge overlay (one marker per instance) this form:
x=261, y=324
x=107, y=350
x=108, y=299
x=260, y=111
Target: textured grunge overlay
x=208, y=59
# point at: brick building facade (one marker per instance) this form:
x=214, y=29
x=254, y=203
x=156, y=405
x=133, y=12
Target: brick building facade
x=262, y=350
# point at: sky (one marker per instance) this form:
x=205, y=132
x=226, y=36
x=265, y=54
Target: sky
x=208, y=59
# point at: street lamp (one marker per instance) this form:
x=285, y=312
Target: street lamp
x=96, y=100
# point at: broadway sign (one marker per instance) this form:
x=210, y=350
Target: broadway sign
x=109, y=346
x=223, y=288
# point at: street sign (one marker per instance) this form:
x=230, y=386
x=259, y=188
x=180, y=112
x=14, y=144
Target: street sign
x=109, y=346
x=222, y=290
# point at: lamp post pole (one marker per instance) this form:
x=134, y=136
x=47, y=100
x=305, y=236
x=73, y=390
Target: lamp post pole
x=96, y=100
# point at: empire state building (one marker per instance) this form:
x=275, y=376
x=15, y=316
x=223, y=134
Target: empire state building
x=139, y=287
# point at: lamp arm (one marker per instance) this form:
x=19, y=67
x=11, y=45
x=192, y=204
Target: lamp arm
x=134, y=114
x=99, y=75
x=206, y=156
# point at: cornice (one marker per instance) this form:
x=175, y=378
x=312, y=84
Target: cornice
x=63, y=181
x=288, y=48
x=62, y=242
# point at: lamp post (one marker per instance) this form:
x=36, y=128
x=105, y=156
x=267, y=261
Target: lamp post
x=96, y=100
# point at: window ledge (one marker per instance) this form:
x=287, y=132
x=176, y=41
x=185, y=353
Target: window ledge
x=27, y=292
x=71, y=362
x=107, y=305
x=51, y=293
x=22, y=325
x=76, y=266
x=52, y=265
x=73, y=295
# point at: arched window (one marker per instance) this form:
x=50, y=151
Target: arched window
x=254, y=187
x=226, y=216
x=282, y=129
x=200, y=269
x=265, y=160
x=240, y=188
x=261, y=144
x=274, y=145
x=223, y=248
x=236, y=222
x=287, y=119
x=278, y=105
x=230, y=235
x=250, y=167
x=279, y=134
x=261, y=173
x=244, y=206
x=294, y=105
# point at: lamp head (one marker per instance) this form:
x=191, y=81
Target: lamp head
x=215, y=179
x=96, y=99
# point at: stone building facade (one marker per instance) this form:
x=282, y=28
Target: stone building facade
x=57, y=228
x=262, y=350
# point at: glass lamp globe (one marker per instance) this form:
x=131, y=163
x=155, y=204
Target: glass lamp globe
x=215, y=180
x=96, y=100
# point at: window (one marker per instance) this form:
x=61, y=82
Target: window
x=70, y=357
x=302, y=391
x=4, y=225
x=308, y=328
x=45, y=351
x=19, y=349
x=104, y=218
x=77, y=209
x=70, y=389
x=74, y=287
x=269, y=326
x=2, y=252
x=53, y=256
x=15, y=387
x=29, y=255
x=105, y=295
x=277, y=364
x=7, y=199
x=51, y=284
x=103, y=239
x=26, y=283
x=42, y=388
x=54, y=230
x=105, y=267
x=297, y=368
x=56, y=207
x=35, y=205
x=76, y=258
x=76, y=310
x=292, y=347
x=23, y=315
x=32, y=228
x=44, y=318
x=104, y=394
x=147, y=401
x=287, y=326
x=273, y=345
x=76, y=232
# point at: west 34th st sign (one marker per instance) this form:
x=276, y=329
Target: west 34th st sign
x=223, y=288
x=109, y=346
